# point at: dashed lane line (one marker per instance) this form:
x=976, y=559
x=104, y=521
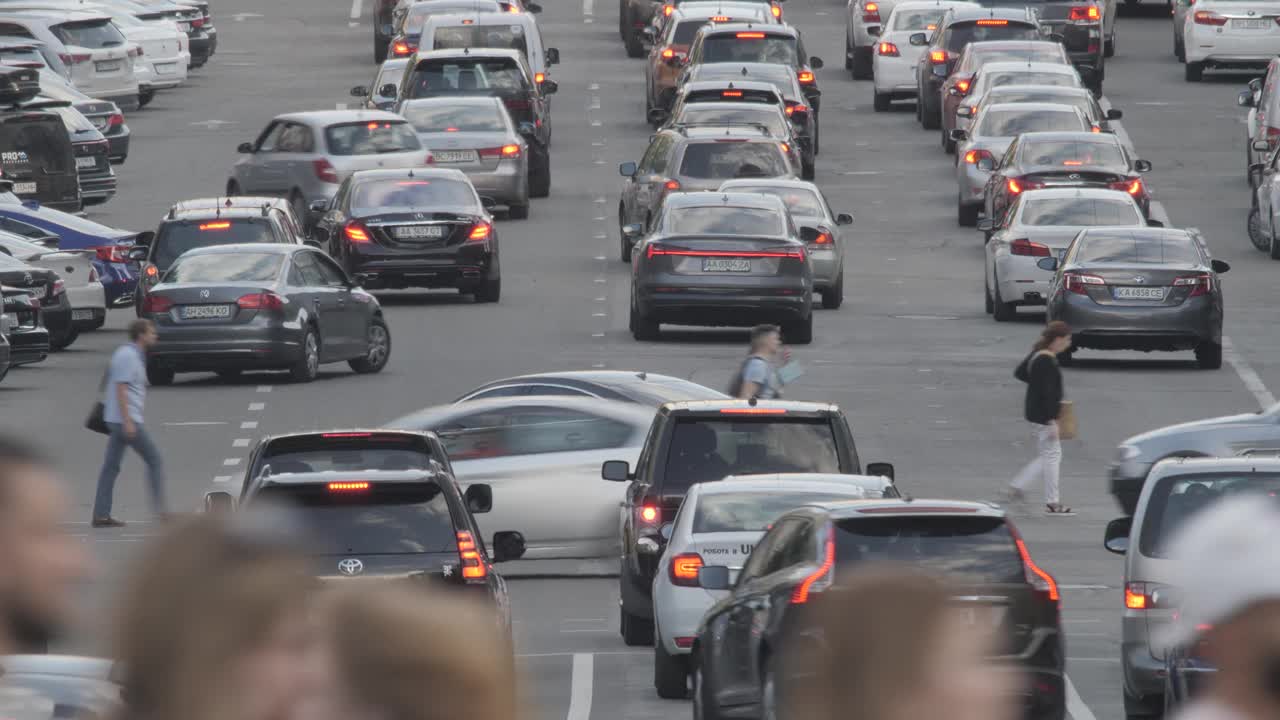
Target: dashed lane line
x=580, y=686
x=356, y=9
x=1076, y=706
x=1247, y=374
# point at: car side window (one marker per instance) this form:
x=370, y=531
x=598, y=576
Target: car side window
x=508, y=391
x=556, y=390
x=340, y=197
x=799, y=549
x=646, y=452
x=535, y=430
x=295, y=138
x=270, y=136
x=295, y=276
x=654, y=161
x=758, y=561
x=475, y=436
x=305, y=262
x=332, y=274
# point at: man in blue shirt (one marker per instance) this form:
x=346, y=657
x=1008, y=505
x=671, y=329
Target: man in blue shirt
x=123, y=399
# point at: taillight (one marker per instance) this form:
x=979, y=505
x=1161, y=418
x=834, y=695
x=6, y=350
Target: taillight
x=261, y=301
x=973, y=156
x=152, y=273
x=667, y=10
x=517, y=104
x=871, y=12
x=1025, y=247
x=115, y=120
x=324, y=171
x=1075, y=282
x=473, y=567
x=684, y=569
x=348, y=486
x=671, y=185
x=785, y=147
x=1148, y=596
x=963, y=86
x=1132, y=186
x=1084, y=13
x=1272, y=134
x=60, y=287
x=1016, y=185
x=776, y=11
x=822, y=238
x=888, y=49
x=480, y=232
x=796, y=108
x=539, y=78
x=649, y=514
x=1039, y=579
x=1201, y=284
x=820, y=577
x=112, y=253
x=668, y=54
x=937, y=57
x=805, y=77
x=509, y=151
x=1208, y=17
x=400, y=49
x=357, y=232
x=75, y=58
x=197, y=22
x=156, y=304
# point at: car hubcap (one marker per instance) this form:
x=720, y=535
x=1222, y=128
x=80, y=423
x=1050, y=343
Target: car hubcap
x=377, y=345
x=313, y=355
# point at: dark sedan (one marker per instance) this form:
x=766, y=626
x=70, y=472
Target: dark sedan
x=230, y=308
x=803, y=116
x=48, y=290
x=625, y=386
x=716, y=258
x=1139, y=289
x=413, y=228
x=1065, y=159
x=28, y=338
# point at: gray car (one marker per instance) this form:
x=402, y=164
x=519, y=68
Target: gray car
x=1177, y=491
x=1082, y=98
x=389, y=74
x=477, y=136
x=820, y=229
x=1139, y=289
x=305, y=156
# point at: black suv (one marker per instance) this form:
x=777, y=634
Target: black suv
x=380, y=503
x=35, y=150
x=705, y=441
x=804, y=553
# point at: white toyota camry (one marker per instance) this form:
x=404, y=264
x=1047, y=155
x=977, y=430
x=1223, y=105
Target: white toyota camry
x=894, y=58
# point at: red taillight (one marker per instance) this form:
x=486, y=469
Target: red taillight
x=822, y=574
x=75, y=59
x=499, y=152
x=197, y=22
x=324, y=171
x=539, y=78
x=684, y=569
x=1201, y=284
x=731, y=93
x=60, y=287
x=888, y=49
x=218, y=225
x=649, y=514
x=963, y=86
x=112, y=253
x=1038, y=578
x=776, y=11
x=823, y=238
x=973, y=156
x=1135, y=596
x=346, y=435
x=750, y=35
x=156, y=304
x=937, y=57
x=753, y=411
x=720, y=18
x=1086, y=13
x=797, y=108
x=1023, y=246
x=349, y=486
x=151, y=272
x=480, y=232
x=1076, y=282
x=795, y=252
x=261, y=301
x=994, y=23
x=668, y=54
x=1014, y=186
x=1132, y=186
x=400, y=49
x=517, y=104
x=871, y=12
x=1208, y=17
x=671, y=185
x=805, y=77
x=115, y=120
x=357, y=232
x=667, y=10
x=473, y=567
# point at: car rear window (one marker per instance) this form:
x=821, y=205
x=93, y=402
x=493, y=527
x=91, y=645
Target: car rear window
x=1146, y=250
x=1024, y=77
x=1080, y=212
x=92, y=34
x=462, y=75
x=18, y=55
x=1176, y=499
x=971, y=549
x=436, y=116
x=1010, y=123
x=506, y=37
x=225, y=267
x=918, y=20
x=33, y=145
x=384, y=519
x=724, y=113
x=749, y=47
x=388, y=196
x=716, y=160
x=799, y=201
x=345, y=452
x=708, y=449
x=176, y=238
x=967, y=31
x=1068, y=154
x=751, y=96
x=371, y=138
x=756, y=511
x=724, y=221
x=1034, y=53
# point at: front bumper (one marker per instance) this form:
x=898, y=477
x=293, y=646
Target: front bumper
x=1129, y=327
x=162, y=73
x=1219, y=49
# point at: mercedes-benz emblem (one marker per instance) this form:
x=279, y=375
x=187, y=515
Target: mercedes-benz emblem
x=350, y=566
x=204, y=293
x=1139, y=280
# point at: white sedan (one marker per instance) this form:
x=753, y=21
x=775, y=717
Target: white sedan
x=84, y=288
x=1230, y=33
x=894, y=58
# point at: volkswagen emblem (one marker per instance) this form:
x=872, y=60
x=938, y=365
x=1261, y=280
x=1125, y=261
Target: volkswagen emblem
x=204, y=293
x=350, y=566
x=1139, y=280
x=1250, y=13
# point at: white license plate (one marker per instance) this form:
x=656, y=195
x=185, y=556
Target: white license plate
x=24, y=187
x=1252, y=23
x=166, y=68
x=726, y=265
x=107, y=65
x=81, y=314
x=419, y=231
x=1139, y=293
x=184, y=27
x=197, y=312
x=88, y=161
x=455, y=156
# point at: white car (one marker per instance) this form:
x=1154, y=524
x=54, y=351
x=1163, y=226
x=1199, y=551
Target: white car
x=542, y=457
x=894, y=58
x=719, y=524
x=1230, y=33
x=100, y=57
x=75, y=269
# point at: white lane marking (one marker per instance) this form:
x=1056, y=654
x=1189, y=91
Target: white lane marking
x=356, y=10
x=597, y=315
x=1076, y=706
x=264, y=388
x=254, y=407
x=213, y=124
x=194, y=423
x=580, y=686
x=1247, y=375
x=249, y=425
x=588, y=7
x=222, y=479
x=241, y=17
x=240, y=442
x=230, y=462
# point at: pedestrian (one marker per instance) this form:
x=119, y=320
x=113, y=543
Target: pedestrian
x=894, y=647
x=1043, y=402
x=1228, y=578
x=125, y=393
x=758, y=377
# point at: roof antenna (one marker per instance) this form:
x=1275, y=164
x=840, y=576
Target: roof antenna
x=744, y=71
x=410, y=172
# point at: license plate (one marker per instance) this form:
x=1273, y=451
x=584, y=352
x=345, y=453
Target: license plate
x=88, y=161
x=1139, y=293
x=24, y=187
x=1251, y=23
x=100, y=123
x=167, y=68
x=184, y=27
x=197, y=312
x=726, y=265
x=455, y=156
x=107, y=65
x=81, y=314
x=419, y=231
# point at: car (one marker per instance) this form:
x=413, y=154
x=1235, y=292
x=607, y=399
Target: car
x=114, y=82
x=4, y=341
x=192, y=18
x=739, y=43
x=718, y=523
x=92, y=152
x=980, y=150
x=287, y=307
x=1176, y=490
x=36, y=153
x=1139, y=289
x=105, y=116
x=1057, y=159
x=968, y=83
x=633, y=17
x=1082, y=98
x=1042, y=223
x=1086, y=30
x=78, y=685
x=689, y=159
x=1222, y=35
x=733, y=79
x=400, y=229
x=28, y=338
x=959, y=27
x=383, y=27
x=1265, y=209
x=819, y=229
x=477, y=136
x=807, y=550
x=645, y=388
x=768, y=116
x=534, y=449
x=1188, y=671
x=74, y=268
x=703, y=442
x=389, y=74
x=47, y=289
x=893, y=58
x=305, y=156
x=380, y=504
x=728, y=91
x=724, y=259
x=491, y=30
x=23, y=52
x=1004, y=73
x=1259, y=97
x=410, y=19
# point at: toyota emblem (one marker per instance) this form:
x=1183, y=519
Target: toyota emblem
x=1073, y=176
x=350, y=566
x=204, y=293
x=1139, y=280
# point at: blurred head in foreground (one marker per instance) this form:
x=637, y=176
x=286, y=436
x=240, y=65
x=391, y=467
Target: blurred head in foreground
x=896, y=648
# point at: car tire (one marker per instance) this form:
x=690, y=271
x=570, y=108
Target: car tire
x=833, y=297
x=622, y=20
x=704, y=707
x=1000, y=310
x=882, y=102
x=643, y=328
x=670, y=673
x=769, y=690
x=518, y=212
x=966, y=215
x=848, y=51
x=540, y=175
x=948, y=145
x=1209, y=355
x=1259, y=237
x=930, y=118
x=307, y=366
x=635, y=48
x=233, y=188
x=379, y=48
x=636, y=631
x=489, y=291
x=861, y=69
x=159, y=376
x=145, y=97
x=1193, y=71
x=63, y=341
x=799, y=332
x=378, y=351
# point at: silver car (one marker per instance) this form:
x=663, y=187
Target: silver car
x=305, y=156
x=1177, y=491
x=819, y=228
x=390, y=72
x=1078, y=96
x=475, y=134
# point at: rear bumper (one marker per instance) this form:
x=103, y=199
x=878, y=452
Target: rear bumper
x=98, y=187
x=453, y=267
x=1111, y=327
x=506, y=185
x=162, y=73
x=827, y=266
x=197, y=350
x=118, y=146
x=200, y=45
x=728, y=307
x=28, y=345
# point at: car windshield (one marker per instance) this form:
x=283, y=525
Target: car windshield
x=1025, y=77
x=963, y=33
x=918, y=20
x=1080, y=212
x=1138, y=249
x=507, y=37
x=751, y=47
x=463, y=75
x=1176, y=499
x=756, y=511
x=178, y=237
x=380, y=520
x=436, y=116
x=720, y=220
x=727, y=160
x=1009, y=123
x=799, y=201
x=1068, y=154
x=972, y=549
x=226, y=267
x=92, y=34
x=707, y=450
x=724, y=113
x=389, y=196
x=371, y=138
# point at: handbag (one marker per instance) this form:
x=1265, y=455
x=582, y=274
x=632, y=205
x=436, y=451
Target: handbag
x=1067, y=420
x=97, y=414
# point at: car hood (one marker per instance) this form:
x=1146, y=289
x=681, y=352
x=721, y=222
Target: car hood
x=1195, y=426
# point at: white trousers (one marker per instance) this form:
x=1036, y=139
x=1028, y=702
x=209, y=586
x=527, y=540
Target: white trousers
x=1046, y=463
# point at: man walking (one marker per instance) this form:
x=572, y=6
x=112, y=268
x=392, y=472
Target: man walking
x=125, y=394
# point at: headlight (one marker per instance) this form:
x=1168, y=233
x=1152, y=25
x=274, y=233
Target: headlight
x=1125, y=453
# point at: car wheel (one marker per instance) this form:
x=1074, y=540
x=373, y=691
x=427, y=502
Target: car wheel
x=1209, y=355
x=233, y=188
x=882, y=102
x=378, y=351
x=930, y=117
x=861, y=69
x=1260, y=238
x=769, y=691
x=704, y=707
x=817, y=133
x=489, y=291
x=1002, y=311
x=636, y=630
x=540, y=175
x=299, y=206
x=1194, y=71
x=948, y=145
x=307, y=366
x=1135, y=708
x=622, y=20
x=159, y=376
x=643, y=327
x=670, y=673
x=145, y=97
x=799, y=332
x=63, y=340
x=833, y=297
x=1109, y=46
x=518, y=212
x=848, y=52
x=966, y=215
x=987, y=303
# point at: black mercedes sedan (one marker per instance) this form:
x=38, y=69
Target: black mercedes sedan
x=413, y=228
x=721, y=258
x=28, y=338
x=46, y=288
x=230, y=308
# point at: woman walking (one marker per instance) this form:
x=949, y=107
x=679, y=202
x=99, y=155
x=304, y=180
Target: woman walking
x=1043, y=403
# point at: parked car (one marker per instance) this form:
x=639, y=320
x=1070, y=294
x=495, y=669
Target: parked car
x=74, y=268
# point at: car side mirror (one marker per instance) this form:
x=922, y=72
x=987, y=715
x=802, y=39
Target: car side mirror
x=1261, y=146
x=360, y=91
x=627, y=169
x=527, y=128
x=615, y=470
x=479, y=498
x=1219, y=266
x=1114, y=114
x=549, y=87
x=319, y=206
x=137, y=254
x=488, y=202
x=553, y=56
x=389, y=90
x=816, y=63
x=657, y=116
x=986, y=225
x=219, y=501
x=245, y=148
x=985, y=164
x=632, y=231
x=666, y=530
x=1049, y=263
x=534, y=8
x=1245, y=99
x=508, y=545
x=145, y=237
x=650, y=33
x=959, y=135
x=1116, y=538
x=713, y=577
x=1154, y=223
x=881, y=469
x=844, y=219
x=1142, y=166
x=918, y=39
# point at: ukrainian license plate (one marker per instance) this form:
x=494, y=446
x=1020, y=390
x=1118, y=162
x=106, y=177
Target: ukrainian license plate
x=201, y=312
x=87, y=161
x=184, y=27
x=1139, y=293
x=107, y=65
x=455, y=156
x=24, y=187
x=81, y=314
x=100, y=123
x=166, y=68
x=726, y=265
x=1251, y=23
x=410, y=232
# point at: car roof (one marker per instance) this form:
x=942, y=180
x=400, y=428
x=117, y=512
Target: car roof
x=908, y=507
x=632, y=412
x=468, y=52
x=716, y=198
x=703, y=133
x=736, y=27
x=218, y=207
x=327, y=117
x=961, y=13
x=769, y=108
x=929, y=4
x=745, y=408
x=416, y=173
x=341, y=432
x=1187, y=466
x=393, y=62
x=1032, y=66
x=1076, y=136
x=256, y=248
x=19, y=44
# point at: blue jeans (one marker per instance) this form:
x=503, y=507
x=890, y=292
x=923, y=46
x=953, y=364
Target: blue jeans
x=146, y=449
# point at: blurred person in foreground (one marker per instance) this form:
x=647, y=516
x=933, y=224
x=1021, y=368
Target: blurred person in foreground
x=895, y=647
x=1227, y=565
x=215, y=621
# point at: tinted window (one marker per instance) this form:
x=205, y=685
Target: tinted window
x=656, y=393
x=723, y=113
x=750, y=47
x=91, y=34
x=176, y=238
x=706, y=450
x=409, y=195
x=1008, y=123
x=445, y=76
x=344, y=458
x=1138, y=249
x=419, y=12
x=385, y=519
x=963, y=33
x=747, y=511
x=1021, y=77
x=531, y=431
x=918, y=20
x=1031, y=54
x=723, y=221
x=433, y=116
x=726, y=160
x=31, y=146
x=507, y=37
x=685, y=31
x=799, y=201
x=17, y=55
x=1178, y=498
x=973, y=549
x=1073, y=154
x=371, y=138
x=225, y=267
x=1079, y=211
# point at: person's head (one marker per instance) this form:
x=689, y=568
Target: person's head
x=1055, y=337
x=40, y=563
x=143, y=332
x=215, y=621
x=896, y=648
x=765, y=339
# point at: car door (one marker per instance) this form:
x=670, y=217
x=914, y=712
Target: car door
x=328, y=230
x=1266, y=192
x=354, y=315
x=997, y=185
x=291, y=159
x=253, y=176
x=651, y=188
x=324, y=305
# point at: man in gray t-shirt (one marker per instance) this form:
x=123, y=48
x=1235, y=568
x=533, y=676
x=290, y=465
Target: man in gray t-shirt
x=759, y=374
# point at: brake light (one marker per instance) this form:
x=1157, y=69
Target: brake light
x=60, y=287
x=823, y=238
x=1076, y=282
x=720, y=18
x=356, y=232
x=649, y=514
x=1038, y=578
x=996, y=23
x=963, y=86
x=156, y=304
x=197, y=22
x=750, y=36
x=731, y=93
x=500, y=152
x=684, y=569
x=805, y=77
x=346, y=435
x=1025, y=247
x=973, y=156
x=75, y=58
x=822, y=574
x=1085, y=13
x=115, y=120
x=785, y=147
x=112, y=253
x=888, y=49
x=220, y=225
x=1201, y=284
x=753, y=411
x=937, y=56
x=1014, y=187
x=1132, y=186
x=668, y=54
x=350, y=486
x=324, y=171
x=473, y=568
x=539, y=78
x=776, y=11
x=871, y=12
x=1208, y=17
x=400, y=49
x=667, y=10
x=261, y=301
x=671, y=185
x=797, y=108
x=151, y=272
x=1135, y=596
x=480, y=232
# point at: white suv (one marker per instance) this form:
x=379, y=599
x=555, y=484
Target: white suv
x=1230, y=33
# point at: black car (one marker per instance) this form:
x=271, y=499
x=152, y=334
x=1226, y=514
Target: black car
x=737, y=43
x=74, y=686
x=35, y=150
x=413, y=228
x=93, y=153
x=28, y=338
x=807, y=551
x=728, y=259
x=105, y=116
x=47, y=288
x=705, y=441
x=626, y=386
x=382, y=504
x=262, y=306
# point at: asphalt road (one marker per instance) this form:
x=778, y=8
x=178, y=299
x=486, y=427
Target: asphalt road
x=925, y=375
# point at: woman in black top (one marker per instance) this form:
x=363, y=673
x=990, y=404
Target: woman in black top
x=1044, y=398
